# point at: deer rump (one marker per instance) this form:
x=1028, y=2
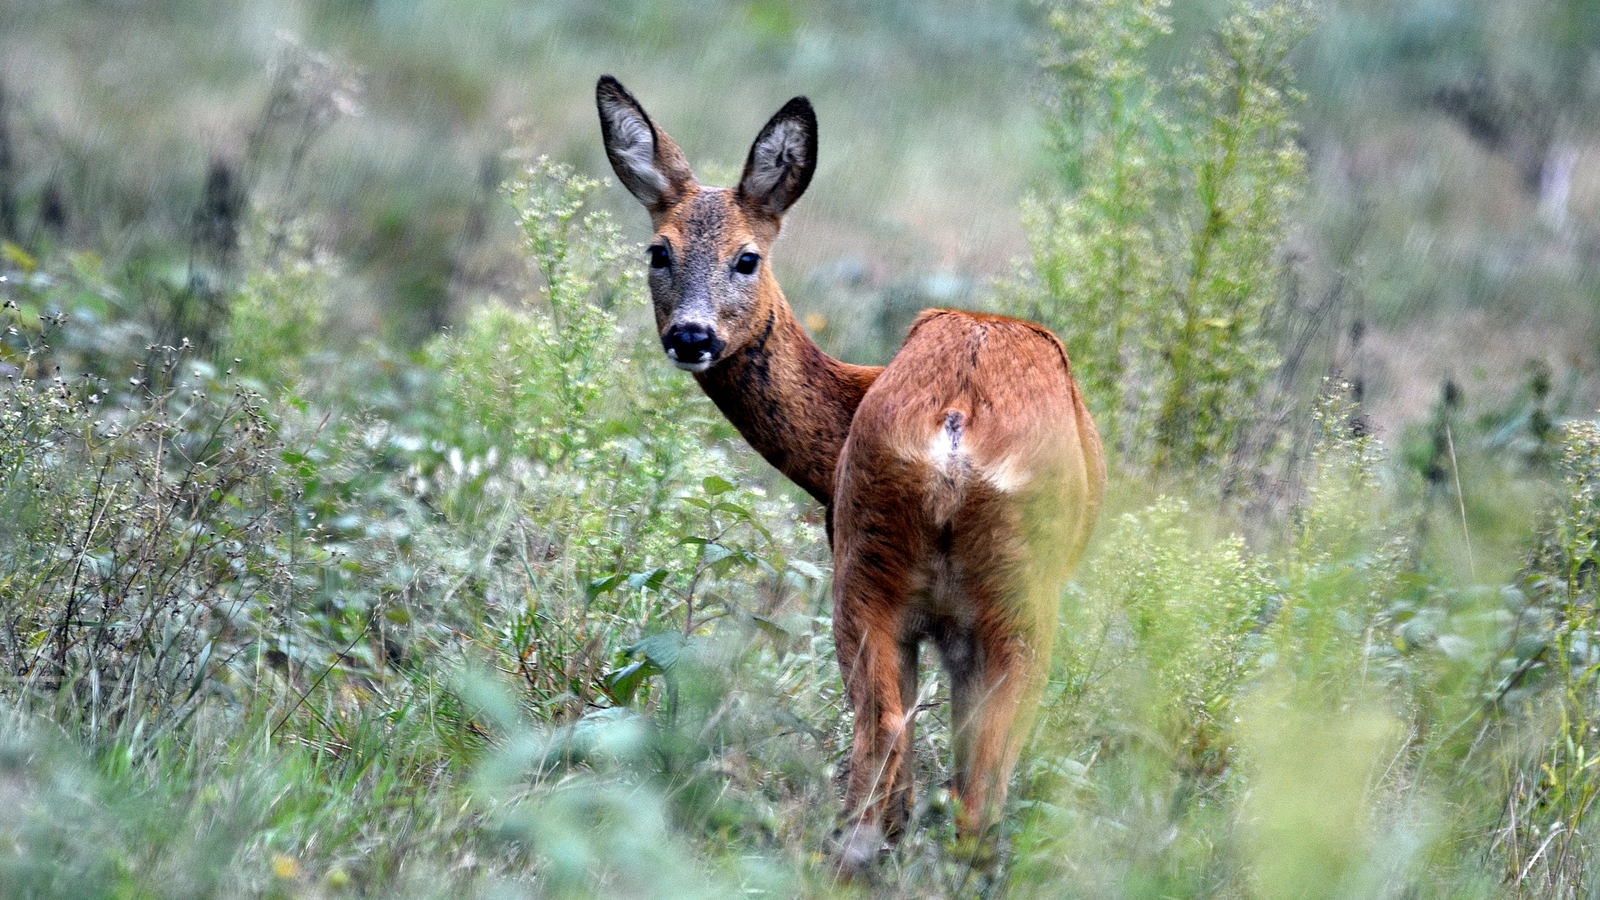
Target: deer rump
x=966, y=456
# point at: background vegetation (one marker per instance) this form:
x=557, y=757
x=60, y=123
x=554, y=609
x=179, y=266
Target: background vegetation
x=360, y=544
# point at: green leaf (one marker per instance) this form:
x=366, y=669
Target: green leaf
x=664, y=648
x=652, y=579
x=772, y=629
x=601, y=585
x=715, y=485
x=622, y=685
x=714, y=553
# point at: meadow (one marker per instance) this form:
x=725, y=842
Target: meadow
x=361, y=542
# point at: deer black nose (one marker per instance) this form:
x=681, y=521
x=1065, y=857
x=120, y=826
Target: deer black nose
x=691, y=344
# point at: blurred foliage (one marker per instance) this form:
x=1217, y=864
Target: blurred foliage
x=1190, y=605
x=1157, y=254
x=387, y=123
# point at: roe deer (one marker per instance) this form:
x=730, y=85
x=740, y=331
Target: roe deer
x=961, y=481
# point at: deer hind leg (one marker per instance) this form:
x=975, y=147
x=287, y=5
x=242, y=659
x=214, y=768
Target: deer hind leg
x=997, y=675
x=902, y=795
x=880, y=678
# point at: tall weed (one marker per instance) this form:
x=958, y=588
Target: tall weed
x=148, y=532
x=1551, y=795
x=1156, y=254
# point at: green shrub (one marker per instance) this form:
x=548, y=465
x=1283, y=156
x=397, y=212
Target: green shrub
x=1348, y=552
x=1156, y=255
x=1226, y=708
x=278, y=317
x=181, y=541
x=147, y=534
x=1552, y=790
x=1190, y=606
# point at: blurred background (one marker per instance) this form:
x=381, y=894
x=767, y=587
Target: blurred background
x=1453, y=206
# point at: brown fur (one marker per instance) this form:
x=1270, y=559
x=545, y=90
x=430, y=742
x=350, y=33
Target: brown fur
x=791, y=401
x=962, y=480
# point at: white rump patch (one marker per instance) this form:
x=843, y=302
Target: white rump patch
x=950, y=461
x=944, y=451
x=1007, y=475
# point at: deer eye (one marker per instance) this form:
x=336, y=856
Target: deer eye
x=659, y=258
x=746, y=264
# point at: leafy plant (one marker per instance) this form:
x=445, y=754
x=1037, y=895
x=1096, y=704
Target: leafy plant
x=1156, y=255
x=1549, y=799
x=148, y=534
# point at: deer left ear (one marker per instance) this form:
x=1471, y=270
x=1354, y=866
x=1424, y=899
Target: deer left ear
x=782, y=160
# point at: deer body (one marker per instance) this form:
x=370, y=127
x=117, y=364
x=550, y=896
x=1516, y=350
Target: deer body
x=961, y=481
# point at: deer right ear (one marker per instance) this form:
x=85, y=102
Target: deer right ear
x=647, y=161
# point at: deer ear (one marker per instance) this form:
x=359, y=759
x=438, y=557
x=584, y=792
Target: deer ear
x=782, y=160
x=647, y=161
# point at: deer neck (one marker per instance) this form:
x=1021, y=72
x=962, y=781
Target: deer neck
x=792, y=402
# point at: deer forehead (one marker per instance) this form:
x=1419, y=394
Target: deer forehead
x=711, y=221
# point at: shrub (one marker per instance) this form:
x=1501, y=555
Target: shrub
x=1191, y=605
x=1224, y=707
x=278, y=316
x=1156, y=254
x=1551, y=791
x=182, y=540
x=148, y=532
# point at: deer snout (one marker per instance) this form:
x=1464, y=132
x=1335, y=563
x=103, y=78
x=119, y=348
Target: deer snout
x=692, y=345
